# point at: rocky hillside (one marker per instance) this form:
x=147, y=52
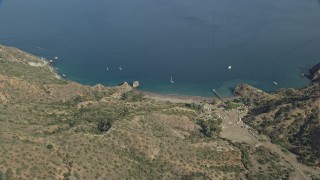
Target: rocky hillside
x=315, y=73
x=290, y=117
x=52, y=128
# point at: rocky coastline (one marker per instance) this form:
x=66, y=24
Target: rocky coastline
x=314, y=73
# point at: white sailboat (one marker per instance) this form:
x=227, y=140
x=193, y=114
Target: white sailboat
x=171, y=80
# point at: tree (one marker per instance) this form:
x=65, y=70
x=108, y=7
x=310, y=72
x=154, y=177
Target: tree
x=210, y=127
x=104, y=125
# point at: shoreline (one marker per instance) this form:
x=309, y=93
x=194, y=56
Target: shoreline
x=175, y=98
x=181, y=98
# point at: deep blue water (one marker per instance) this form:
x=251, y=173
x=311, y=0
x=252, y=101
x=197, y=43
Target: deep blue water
x=193, y=41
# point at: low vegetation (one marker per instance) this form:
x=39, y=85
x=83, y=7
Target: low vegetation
x=232, y=105
x=211, y=127
x=57, y=129
x=261, y=163
x=291, y=118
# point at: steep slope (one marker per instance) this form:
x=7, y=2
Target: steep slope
x=51, y=128
x=315, y=73
x=54, y=128
x=290, y=117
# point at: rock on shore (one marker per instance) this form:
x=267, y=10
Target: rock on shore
x=135, y=84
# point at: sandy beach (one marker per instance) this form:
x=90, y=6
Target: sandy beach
x=181, y=98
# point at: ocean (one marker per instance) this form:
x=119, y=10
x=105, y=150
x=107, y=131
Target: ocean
x=194, y=42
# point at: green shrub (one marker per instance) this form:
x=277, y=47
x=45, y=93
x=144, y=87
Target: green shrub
x=49, y=146
x=2, y=176
x=195, y=106
x=104, y=125
x=9, y=174
x=232, y=105
x=210, y=127
x=132, y=96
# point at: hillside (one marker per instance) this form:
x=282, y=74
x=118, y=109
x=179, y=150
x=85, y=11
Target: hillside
x=290, y=117
x=52, y=128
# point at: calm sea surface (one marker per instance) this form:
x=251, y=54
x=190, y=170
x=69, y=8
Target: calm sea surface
x=194, y=41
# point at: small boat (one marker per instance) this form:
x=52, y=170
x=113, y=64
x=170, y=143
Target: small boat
x=229, y=67
x=120, y=68
x=63, y=75
x=56, y=57
x=107, y=69
x=275, y=83
x=171, y=80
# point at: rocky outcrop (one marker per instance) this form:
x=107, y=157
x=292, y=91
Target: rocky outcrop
x=120, y=90
x=99, y=87
x=124, y=87
x=315, y=73
x=135, y=84
x=255, y=94
x=247, y=90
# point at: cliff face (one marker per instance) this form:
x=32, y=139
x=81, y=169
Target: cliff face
x=289, y=117
x=315, y=73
